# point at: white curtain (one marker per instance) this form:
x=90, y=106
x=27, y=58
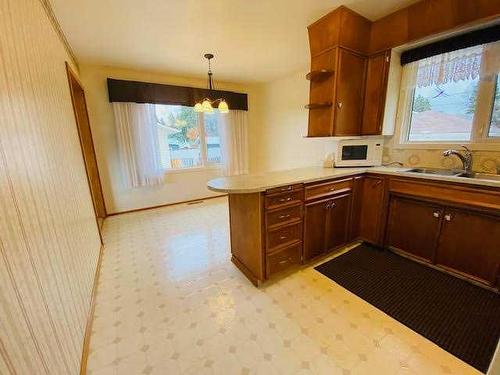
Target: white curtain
x=136, y=128
x=468, y=63
x=234, y=142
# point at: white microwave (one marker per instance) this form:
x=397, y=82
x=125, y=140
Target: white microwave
x=359, y=152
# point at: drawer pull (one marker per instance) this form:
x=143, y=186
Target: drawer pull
x=283, y=237
x=332, y=188
x=286, y=199
x=284, y=216
x=284, y=261
x=288, y=188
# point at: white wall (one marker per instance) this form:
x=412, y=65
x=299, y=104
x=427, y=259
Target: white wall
x=277, y=138
x=49, y=242
x=182, y=186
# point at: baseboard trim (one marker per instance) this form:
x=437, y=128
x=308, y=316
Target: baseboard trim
x=90, y=316
x=165, y=205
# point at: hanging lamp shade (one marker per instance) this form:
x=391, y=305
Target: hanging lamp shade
x=207, y=105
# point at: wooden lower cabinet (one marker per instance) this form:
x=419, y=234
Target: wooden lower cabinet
x=370, y=198
x=326, y=225
x=469, y=243
x=460, y=240
x=413, y=227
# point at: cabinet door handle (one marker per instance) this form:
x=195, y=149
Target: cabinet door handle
x=436, y=214
x=339, y=105
x=377, y=183
x=327, y=206
x=447, y=217
x=333, y=205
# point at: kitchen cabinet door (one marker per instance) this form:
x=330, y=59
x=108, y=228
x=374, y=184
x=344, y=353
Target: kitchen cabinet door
x=349, y=93
x=470, y=244
x=375, y=91
x=337, y=221
x=413, y=227
x=314, y=228
x=372, y=208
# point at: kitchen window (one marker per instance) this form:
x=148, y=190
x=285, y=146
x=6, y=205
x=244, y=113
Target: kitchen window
x=452, y=98
x=187, y=139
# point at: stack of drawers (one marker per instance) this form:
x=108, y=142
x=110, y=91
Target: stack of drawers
x=283, y=232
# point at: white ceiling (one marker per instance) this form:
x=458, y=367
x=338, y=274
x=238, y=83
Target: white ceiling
x=253, y=40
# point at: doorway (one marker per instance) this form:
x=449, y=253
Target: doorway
x=87, y=145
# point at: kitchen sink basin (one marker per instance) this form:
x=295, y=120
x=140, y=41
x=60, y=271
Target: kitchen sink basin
x=441, y=172
x=481, y=176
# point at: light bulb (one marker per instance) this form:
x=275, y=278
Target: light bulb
x=223, y=107
x=207, y=106
x=198, y=107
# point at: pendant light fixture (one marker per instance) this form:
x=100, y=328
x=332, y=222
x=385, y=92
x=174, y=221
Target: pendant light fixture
x=207, y=105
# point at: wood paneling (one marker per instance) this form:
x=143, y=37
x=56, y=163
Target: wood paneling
x=470, y=243
x=427, y=18
x=49, y=241
x=246, y=223
x=413, y=227
x=375, y=92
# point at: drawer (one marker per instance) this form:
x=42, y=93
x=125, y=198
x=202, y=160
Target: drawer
x=283, y=259
x=283, y=215
x=459, y=194
x=328, y=188
x=283, y=199
x=285, y=189
x=283, y=236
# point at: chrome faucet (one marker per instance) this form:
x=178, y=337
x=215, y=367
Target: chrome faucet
x=466, y=158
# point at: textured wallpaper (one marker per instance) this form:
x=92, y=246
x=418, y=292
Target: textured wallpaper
x=483, y=161
x=49, y=243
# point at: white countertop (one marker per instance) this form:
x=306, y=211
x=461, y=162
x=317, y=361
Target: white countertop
x=253, y=183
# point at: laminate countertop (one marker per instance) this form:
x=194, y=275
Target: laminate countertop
x=253, y=183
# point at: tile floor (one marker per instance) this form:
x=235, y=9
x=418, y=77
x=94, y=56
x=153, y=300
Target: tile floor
x=170, y=302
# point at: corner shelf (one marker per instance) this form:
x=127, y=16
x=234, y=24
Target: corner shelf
x=319, y=75
x=318, y=105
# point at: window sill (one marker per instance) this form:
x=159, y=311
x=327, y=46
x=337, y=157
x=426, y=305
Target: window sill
x=486, y=146
x=193, y=169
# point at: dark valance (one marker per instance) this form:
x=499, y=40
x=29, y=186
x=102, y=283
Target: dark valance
x=155, y=93
x=473, y=38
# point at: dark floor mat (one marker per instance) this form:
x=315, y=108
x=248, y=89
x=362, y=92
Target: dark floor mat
x=460, y=317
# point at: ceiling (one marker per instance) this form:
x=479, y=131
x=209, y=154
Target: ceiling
x=253, y=40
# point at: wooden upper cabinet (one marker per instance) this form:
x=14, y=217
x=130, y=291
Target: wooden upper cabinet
x=470, y=244
x=375, y=93
x=337, y=100
x=349, y=93
x=341, y=27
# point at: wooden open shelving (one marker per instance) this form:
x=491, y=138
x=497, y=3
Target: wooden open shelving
x=319, y=75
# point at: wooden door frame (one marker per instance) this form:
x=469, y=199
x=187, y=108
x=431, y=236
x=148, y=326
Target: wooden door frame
x=72, y=77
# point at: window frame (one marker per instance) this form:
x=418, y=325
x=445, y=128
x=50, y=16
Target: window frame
x=205, y=164
x=481, y=121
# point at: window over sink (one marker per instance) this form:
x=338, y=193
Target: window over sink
x=452, y=98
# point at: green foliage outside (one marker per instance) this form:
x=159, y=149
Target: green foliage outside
x=421, y=104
